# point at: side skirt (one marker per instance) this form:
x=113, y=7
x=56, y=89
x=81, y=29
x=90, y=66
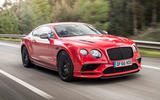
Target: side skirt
x=40, y=65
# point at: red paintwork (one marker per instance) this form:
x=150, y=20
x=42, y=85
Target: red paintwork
x=46, y=51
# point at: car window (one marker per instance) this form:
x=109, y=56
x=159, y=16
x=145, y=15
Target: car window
x=44, y=29
x=35, y=32
x=76, y=30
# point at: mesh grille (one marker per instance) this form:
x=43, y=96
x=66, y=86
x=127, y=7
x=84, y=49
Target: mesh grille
x=120, y=53
x=111, y=70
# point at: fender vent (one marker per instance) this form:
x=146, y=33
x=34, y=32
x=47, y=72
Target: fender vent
x=86, y=41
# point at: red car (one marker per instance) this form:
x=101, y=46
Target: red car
x=80, y=50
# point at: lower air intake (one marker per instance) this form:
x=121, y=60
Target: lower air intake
x=111, y=70
x=90, y=67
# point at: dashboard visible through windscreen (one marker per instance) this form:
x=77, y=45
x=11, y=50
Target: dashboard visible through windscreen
x=69, y=30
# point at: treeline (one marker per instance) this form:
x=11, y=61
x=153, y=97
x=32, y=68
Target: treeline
x=119, y=17
x=128, y=17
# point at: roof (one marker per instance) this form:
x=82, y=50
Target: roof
x=62, y=23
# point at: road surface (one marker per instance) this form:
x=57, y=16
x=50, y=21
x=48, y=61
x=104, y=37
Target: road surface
x=19, y=83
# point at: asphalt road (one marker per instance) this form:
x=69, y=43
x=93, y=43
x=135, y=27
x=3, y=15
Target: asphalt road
x=19, y=83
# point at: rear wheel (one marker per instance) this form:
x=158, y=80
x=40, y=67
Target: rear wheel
x=65, y=66
x=25, y=58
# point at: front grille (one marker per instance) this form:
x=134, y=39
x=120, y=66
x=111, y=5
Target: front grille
x=111, y=70
x=120, y=53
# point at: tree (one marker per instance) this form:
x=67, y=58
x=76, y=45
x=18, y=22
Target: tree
x=120, y=18
x=32, y=13
x=64, y=11
x=94, y=12
x=6, y=4
x=42, y=12
x=128, y=17
x=1, y=9
x=8, y=23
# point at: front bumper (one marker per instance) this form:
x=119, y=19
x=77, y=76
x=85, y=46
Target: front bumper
x=116, y=76
x=99, y=72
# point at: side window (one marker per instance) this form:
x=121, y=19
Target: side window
x=35, y=32
x=46, y=30
x=43, y=29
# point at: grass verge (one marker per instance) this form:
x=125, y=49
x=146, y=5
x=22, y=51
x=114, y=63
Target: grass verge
x=150, y=53
x=10, y=39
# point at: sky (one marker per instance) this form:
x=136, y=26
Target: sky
x=2, y=1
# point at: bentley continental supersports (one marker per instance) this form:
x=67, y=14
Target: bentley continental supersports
x=80, y=50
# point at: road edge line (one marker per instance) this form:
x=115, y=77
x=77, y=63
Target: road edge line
x=27, y=85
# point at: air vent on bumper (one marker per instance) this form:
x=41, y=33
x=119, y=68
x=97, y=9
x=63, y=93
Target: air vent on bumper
x=89, y=67
x=111, y=70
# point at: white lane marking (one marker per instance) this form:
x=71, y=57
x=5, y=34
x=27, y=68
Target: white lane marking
x=30, y=87
x=9, y=44
x=146, y=66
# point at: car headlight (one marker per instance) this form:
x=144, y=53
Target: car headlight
x=96, y=53
x=84, y=52
x=135, y=48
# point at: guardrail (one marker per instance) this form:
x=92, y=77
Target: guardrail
x=14, y=36
x=148, y=44
x=140, y=44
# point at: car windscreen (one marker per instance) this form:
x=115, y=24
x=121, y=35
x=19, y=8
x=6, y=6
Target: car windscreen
x=69, y=30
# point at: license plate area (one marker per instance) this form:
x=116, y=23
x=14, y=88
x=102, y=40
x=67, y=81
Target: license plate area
x=122, y=63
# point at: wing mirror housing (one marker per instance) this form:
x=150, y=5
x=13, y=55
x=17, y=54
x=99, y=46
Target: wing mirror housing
x=44, y=36
x=47, y=36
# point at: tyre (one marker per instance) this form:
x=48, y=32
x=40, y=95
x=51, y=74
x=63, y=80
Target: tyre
x=25, y=57
x=65, y=66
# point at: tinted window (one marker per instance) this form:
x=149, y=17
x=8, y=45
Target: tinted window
x=35, y=32
x=76, y=30
x=42, y=30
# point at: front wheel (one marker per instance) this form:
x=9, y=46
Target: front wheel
x=25, y=58
x=65, y=66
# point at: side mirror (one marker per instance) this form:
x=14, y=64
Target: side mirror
x=105, y=32
x=44, y=36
